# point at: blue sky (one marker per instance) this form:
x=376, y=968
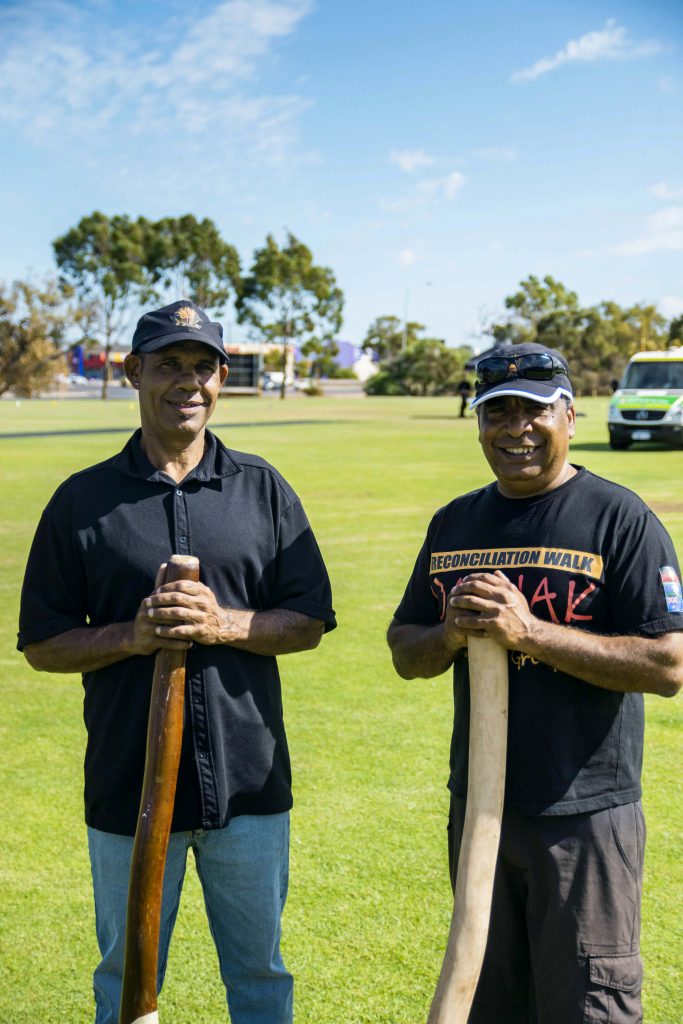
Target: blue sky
x=433, y=155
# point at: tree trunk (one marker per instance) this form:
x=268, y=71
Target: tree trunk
x=108, y=335
x=105, y=374
x=284, y=368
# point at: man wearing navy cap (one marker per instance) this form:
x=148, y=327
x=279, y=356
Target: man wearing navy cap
x=579, y=581
x=91, y=603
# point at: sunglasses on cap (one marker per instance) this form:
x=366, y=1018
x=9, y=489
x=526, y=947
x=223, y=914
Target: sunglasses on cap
x=534, y=366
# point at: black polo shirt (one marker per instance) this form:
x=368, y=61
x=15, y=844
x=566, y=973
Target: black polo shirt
x=95, y=556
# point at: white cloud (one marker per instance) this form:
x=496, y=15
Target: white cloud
x=399, y=205
x=315, y=213
x=452, y=184
x=662, y=190
x=664, y=233
x=407, y=257
x=228, y=41
x=670, y=306
x=410, y=160
x=609, y=43
x=62, y=77
x=426, y=191
x=666, y=83
x=497, y=154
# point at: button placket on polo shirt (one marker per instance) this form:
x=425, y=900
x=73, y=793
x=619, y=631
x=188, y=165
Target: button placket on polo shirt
x=195, y=684
x=182, y=523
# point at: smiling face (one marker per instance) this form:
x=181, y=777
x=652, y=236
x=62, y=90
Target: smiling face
x=178, y=387
x=526, y=443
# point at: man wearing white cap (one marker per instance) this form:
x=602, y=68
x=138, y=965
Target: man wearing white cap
x=579, y=581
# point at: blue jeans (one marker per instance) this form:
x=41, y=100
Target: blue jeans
x=243, y=870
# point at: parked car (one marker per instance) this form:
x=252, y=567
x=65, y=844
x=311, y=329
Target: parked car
x=272, y=380
x=648, y=401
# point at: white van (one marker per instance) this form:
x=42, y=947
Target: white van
x=648, y=403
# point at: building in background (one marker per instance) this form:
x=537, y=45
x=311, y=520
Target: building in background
x=245, y=369
x=348, y=354
x=246, y=366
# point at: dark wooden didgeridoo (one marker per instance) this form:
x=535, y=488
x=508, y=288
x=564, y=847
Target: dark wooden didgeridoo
x=164, y=740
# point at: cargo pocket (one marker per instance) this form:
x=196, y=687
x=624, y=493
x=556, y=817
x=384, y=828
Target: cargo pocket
x=613, y=993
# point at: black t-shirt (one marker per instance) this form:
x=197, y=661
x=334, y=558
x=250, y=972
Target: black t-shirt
x=95, y=556
x=589, y=555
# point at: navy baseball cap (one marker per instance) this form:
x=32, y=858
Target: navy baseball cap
x=528, y=370
x=180, y=321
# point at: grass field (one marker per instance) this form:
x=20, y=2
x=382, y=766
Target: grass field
x=369, y=903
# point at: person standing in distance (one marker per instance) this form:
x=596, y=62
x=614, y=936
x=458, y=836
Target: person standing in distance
x=92, y=603
x=577, y=578
x=464, y=390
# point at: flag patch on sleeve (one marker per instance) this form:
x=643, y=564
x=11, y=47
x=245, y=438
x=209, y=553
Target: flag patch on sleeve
x=672, y=588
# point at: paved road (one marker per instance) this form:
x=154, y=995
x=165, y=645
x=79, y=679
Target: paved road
x=93, y=389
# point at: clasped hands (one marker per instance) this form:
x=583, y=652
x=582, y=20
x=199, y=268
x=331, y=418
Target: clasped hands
x=488, y=604
x=176, y=615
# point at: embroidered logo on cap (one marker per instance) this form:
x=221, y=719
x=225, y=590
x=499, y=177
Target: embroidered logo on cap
x=672, y=588
x=186, y=316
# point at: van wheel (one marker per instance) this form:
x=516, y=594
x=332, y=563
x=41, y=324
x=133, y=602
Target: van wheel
x=617, y=444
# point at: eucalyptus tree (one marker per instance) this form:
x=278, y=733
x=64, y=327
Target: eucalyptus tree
x=189, y=259
x=387, y=337
x=38, y=325
x=286, y=296
x=104, y=260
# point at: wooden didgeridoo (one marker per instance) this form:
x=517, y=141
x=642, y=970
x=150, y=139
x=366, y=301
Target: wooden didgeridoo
x=488, y=669
x=164, y=740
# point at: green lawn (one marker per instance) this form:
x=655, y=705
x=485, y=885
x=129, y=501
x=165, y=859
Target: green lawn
x=369, y=902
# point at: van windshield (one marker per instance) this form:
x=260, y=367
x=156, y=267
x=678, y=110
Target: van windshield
x=665, y=373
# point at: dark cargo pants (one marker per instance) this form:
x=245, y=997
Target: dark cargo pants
x=564, y=939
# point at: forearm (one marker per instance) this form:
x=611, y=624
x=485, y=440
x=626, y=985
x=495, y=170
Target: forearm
x=272, y=632
x=627, y=664
x=489, y=604
x=421, y=652
x=82, y=650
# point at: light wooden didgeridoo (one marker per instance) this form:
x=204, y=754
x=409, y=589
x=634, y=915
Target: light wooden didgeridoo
x=488, y=670
x=164, y=740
